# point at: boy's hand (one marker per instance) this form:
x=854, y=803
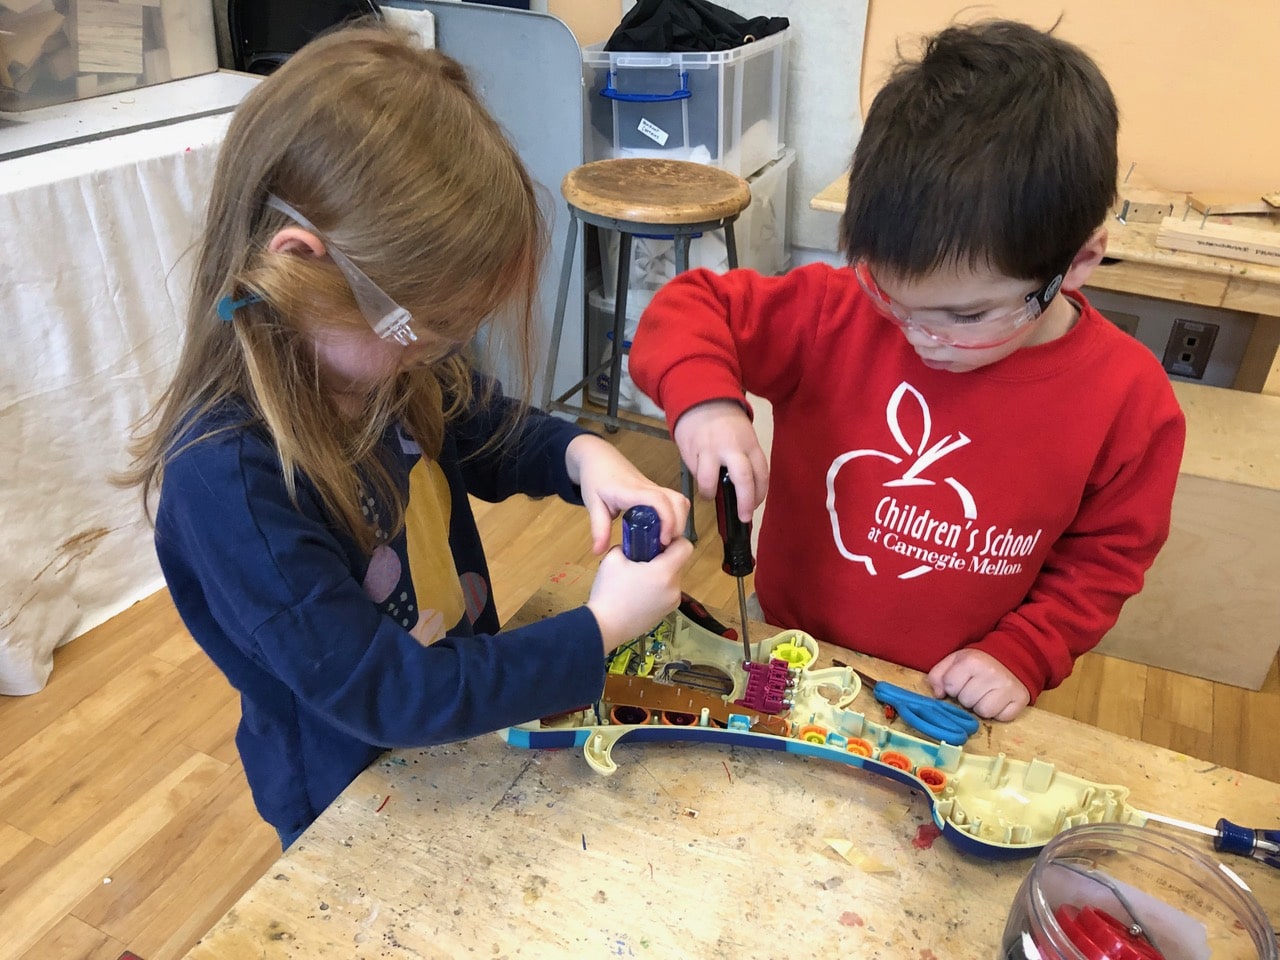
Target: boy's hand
x=628, y=598
x=716, y=433
x=980, y=682
x=611, y=484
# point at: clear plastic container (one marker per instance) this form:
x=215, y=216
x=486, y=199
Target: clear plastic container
x=724, y=107
x=1118, y=892
x=600, y=348
x=57, y=51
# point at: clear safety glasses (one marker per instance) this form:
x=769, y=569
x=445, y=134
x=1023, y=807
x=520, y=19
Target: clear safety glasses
x=389, y=320
x=977, y=331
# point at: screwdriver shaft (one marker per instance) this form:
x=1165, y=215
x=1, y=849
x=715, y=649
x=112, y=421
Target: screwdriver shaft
x=1181, y=824
x=742, y=612
x=1228, y=837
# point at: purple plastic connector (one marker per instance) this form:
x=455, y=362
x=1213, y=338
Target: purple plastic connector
x=767, y=687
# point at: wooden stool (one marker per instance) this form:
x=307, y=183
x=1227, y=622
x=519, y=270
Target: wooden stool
x=673, y=198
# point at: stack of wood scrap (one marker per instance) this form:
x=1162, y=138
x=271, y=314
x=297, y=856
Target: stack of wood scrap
x=1232, y=226
x=52, y=51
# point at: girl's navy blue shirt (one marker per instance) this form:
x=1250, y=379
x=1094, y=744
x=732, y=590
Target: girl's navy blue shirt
x=338, y=655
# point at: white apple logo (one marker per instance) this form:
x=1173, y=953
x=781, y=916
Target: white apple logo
x=915, y=460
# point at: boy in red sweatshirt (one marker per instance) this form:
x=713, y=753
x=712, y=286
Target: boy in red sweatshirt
x=972, y=468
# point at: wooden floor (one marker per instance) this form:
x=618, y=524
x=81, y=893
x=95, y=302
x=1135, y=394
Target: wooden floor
x=125, y=822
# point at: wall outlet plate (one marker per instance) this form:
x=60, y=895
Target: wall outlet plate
x=1189, y=347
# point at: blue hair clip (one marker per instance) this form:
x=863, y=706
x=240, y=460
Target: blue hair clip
x=227, y=306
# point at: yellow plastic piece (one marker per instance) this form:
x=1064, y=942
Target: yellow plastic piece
x=797, y=656
x=645, y=668
x=619, y=663
x=663, y=632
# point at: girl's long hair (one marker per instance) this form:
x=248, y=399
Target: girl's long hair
x=386, y=149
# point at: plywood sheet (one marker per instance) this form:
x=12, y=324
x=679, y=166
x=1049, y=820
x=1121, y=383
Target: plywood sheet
x=1210, y=605
x=1193, y=80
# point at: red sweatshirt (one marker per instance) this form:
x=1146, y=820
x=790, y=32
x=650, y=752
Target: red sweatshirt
x=912, y=512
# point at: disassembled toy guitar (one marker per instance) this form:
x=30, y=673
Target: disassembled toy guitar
x=683, y=682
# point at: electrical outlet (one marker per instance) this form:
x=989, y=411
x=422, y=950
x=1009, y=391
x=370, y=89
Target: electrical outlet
x=1128, y=322
x=1190, y=344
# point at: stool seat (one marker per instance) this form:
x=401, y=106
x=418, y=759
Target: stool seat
x=654, y=191
x=640, y=196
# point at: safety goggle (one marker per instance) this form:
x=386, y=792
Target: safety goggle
x=389, y=320
x=991, y=328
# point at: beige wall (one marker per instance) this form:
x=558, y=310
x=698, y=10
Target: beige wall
x=1196, y=81
x=590, y=20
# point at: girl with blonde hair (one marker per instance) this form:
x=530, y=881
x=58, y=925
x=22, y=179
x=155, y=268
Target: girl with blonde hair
x=317, y=446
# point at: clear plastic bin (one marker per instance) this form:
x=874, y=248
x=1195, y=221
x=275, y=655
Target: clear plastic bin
x=600, y=348
x=724, y=108
x=1108, y=891
x=760, y=232
x=56, y=51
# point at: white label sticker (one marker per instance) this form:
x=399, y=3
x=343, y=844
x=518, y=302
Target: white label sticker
x=653, y=132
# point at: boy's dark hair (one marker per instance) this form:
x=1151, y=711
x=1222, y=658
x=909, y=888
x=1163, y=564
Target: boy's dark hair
x=997, y=148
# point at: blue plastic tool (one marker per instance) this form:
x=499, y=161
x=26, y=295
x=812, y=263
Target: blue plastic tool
x=641, y=534
x=1261, y=845
x=945, y=722
x=1228, y=837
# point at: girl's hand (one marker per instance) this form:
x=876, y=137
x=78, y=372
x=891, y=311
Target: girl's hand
x=719, y=432
x=980, y=682
x=611, y=485
x=628, y=598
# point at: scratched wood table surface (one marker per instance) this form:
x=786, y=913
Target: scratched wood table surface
x=481, y=849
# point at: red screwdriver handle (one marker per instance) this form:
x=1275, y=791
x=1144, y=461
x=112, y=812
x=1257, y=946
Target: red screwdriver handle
x=736, y=535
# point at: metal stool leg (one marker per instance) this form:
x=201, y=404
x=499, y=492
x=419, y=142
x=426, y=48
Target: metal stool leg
x=619, y=327
x=682, y=241
x=731, y=245
x=562, y=301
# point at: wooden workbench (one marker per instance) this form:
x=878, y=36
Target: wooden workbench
x=480, y=849
x=1146, y=270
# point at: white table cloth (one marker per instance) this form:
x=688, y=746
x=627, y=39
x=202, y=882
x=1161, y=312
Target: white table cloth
x=96, y=249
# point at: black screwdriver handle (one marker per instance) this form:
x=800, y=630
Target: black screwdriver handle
x=736, y=535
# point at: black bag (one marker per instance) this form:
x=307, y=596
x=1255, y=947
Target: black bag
x=265, y=33
x=689, y=26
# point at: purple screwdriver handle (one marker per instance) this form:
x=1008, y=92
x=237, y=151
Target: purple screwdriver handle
x=641, y=534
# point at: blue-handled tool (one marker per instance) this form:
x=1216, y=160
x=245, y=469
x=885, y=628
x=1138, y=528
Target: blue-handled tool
x=641, y=534
x=935, y=718
x=641, y=542
x=1228, y=837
